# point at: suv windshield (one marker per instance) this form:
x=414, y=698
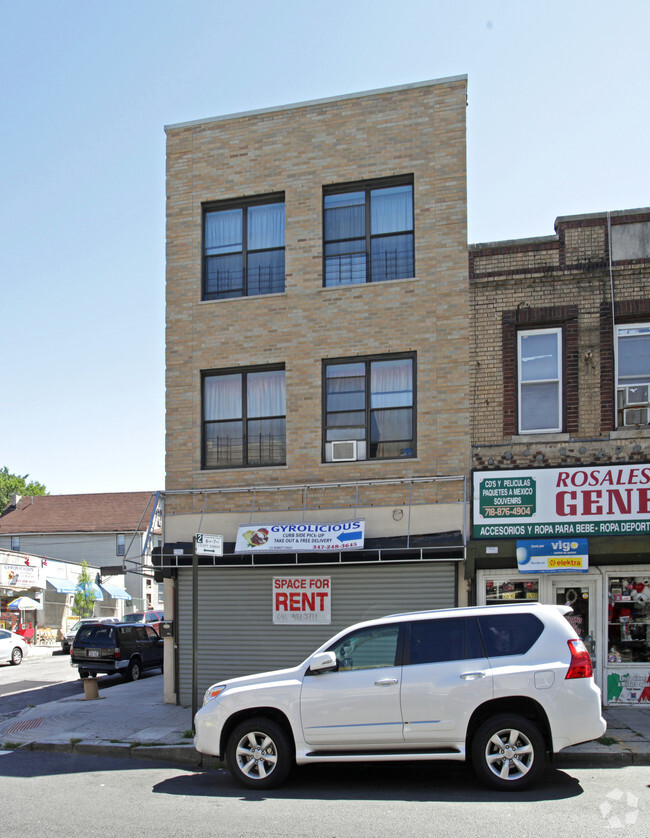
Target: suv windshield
x=137, y=617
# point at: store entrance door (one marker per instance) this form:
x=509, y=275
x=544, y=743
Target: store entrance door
x=580, y=594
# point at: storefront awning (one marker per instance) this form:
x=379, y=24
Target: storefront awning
x=115, y=591
x=62, y=586
x=69, y=586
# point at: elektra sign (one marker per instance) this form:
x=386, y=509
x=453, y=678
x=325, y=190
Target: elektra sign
x=602, y=500
x=300, y=537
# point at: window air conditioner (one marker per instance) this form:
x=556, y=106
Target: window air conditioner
x=635, y=416
x=345, y=451
x=637, y=394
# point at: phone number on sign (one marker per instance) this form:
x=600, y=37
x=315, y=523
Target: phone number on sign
x=506, y=511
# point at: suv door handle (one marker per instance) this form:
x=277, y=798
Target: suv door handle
x=386, y=682
x=472, y=676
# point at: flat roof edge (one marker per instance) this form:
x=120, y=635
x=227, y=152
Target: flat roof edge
x=316, y=102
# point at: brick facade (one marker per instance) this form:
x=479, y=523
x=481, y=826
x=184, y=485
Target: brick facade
x=417, y=130
x=563, y=281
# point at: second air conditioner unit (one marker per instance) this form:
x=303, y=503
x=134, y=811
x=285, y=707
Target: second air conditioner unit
x=345, y=451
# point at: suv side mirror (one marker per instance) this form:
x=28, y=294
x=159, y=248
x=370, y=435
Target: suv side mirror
x=323, y=662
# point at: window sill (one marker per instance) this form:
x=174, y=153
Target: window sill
x=376, y=460
x=248, y=298
x=532, y=438
x=238, y=469
x=357, y=285
x=631, y=433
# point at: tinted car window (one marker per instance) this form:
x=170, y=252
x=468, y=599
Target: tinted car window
x=509, y=634
x=4, y=634
x=434, y=641
x=95, y=634
x=127, y=634
x=151, y=634
x=367, y=648
x=133, y=618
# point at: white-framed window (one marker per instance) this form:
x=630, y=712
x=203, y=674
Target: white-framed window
x=15, y=542
x=539, y=376
x=633, y=375
x=120, y=545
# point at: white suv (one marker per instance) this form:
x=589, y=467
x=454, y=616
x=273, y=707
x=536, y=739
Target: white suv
x=502, y=685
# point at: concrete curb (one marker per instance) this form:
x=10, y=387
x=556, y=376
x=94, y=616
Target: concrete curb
x=185, y=755
x=188, y=756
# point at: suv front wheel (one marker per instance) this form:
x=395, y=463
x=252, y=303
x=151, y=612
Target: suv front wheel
x=259, y=754
x=508, y=752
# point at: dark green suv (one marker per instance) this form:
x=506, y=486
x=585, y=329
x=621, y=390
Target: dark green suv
x=128, y=649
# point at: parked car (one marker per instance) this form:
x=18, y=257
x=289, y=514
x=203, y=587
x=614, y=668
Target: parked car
x=69, y=636
x=152, y=618
x=12, y=647
x=124, y=648
x=501, y=686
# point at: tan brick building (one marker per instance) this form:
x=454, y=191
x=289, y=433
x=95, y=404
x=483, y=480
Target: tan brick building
x=317, y=365
x=560, y=388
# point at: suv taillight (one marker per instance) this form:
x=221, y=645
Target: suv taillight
x=580, y=666
x=117, y=654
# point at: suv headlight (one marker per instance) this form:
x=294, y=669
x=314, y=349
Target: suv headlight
x=213, y=692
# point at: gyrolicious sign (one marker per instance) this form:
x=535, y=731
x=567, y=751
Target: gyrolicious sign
x=594, y=500
x=300, y=537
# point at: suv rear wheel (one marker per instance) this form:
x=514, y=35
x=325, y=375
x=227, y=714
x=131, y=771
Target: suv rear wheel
x=508, y=752
x=135, y=670
x=259, y=754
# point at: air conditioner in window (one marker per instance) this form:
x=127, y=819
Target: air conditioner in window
x=345, y=450
x=637, y=394
x=635, y=416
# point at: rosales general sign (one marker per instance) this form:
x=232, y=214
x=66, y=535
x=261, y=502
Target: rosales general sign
x=607, y=500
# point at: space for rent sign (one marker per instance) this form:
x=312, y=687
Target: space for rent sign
x=302, y=599
x=578, y=501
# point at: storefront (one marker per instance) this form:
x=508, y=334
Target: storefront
x=573, y=536
x=21, y=575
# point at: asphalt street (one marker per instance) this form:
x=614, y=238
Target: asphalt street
x=49, y=795
x=39, y=680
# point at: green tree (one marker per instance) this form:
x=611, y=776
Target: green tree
x=14, y=484
x=84, y=595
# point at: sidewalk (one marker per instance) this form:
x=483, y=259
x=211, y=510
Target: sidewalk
x=131, y=720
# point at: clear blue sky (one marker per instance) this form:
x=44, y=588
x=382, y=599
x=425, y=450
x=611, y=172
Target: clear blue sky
x=558, y=123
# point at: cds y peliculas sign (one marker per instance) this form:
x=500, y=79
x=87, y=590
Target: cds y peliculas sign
x=580, y=501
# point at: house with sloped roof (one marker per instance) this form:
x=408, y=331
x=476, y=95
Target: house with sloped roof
x=113, y=531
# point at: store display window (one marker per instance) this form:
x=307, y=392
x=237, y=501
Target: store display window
x=628, y=620
x=507, y=590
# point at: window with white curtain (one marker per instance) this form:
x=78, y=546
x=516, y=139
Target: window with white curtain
x=539, y=358
x=368, y=232
x=244, y=418
x=243, y=248
x=372, y=401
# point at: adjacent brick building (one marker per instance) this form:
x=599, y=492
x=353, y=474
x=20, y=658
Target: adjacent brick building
x=317, y=364
x=560, y=389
